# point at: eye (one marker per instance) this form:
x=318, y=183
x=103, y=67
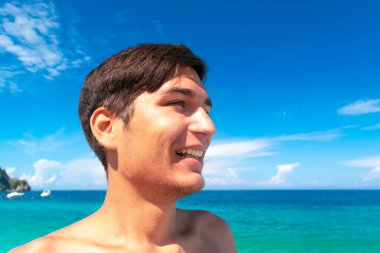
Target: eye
x=179, y=103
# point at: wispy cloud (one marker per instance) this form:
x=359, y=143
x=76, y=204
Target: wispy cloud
x=374, y=127
x=30, y=32
x=372, y=162
x=83, y=173
x=282, y=171
x=365, y=162
x=314, y=136
x=361, y=107
x=263, y=146
x=239, y=148
x=49, y=143
x=229, y=177
x=6, y=74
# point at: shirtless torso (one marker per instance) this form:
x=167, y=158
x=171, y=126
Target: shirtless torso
x=196, y=231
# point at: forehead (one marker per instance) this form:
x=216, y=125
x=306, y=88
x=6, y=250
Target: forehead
x=184, y=78
x=183, y=81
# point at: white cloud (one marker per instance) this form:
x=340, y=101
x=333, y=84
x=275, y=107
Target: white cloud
x=372, y=175
x=372, y=162
x=361, y=107
x=217, y=176
x=10, y=171
x=45, y=173
x=224, y=177
x=238, y=148
x=282, y=171
x=84, y=173
x=224, y=155
x=364, y=162
x=30, y=32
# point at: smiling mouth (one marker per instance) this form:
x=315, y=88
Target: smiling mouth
x=192, y=153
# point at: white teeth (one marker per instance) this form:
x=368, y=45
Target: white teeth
x=196, y=153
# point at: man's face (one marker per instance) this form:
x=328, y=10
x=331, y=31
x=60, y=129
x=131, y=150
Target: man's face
x=163, y=146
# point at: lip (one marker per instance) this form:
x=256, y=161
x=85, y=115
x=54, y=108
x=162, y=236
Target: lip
x=196, y=164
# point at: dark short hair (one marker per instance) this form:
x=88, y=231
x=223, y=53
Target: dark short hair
x=117, y=82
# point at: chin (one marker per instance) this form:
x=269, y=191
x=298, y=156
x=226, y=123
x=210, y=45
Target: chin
x=190, y=186
x=193, y=186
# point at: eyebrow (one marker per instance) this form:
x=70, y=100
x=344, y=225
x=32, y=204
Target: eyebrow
x=186, y=92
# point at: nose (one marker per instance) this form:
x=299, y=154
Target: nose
x=202, y=123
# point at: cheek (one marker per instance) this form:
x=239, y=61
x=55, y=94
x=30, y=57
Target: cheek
x=163, y=129
x=156, y=132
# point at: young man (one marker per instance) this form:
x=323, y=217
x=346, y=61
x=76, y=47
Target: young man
x=145, y=113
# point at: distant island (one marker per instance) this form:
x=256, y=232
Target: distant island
x=12, y=184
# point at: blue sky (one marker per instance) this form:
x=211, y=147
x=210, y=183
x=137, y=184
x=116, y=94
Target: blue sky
x=295, y=87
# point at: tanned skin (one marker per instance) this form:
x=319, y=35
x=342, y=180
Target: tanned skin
x=147, y=173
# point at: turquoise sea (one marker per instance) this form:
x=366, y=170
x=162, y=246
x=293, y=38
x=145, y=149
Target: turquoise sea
x=262, y=221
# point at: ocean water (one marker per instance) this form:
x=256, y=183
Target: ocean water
x=263, y=221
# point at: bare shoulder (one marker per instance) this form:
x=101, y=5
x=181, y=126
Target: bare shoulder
x=214, y=231
x=40, y=245
x=63, y=240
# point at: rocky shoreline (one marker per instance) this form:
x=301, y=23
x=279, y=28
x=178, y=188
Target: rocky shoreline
x=12, y=184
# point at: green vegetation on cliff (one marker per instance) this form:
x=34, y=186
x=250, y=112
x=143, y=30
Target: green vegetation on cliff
x=12, y=184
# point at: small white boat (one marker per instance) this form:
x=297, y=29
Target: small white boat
x=45, y=193
x=15, y=195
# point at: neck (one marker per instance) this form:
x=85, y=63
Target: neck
x=134, y=215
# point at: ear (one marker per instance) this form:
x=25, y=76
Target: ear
x=103, y=123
